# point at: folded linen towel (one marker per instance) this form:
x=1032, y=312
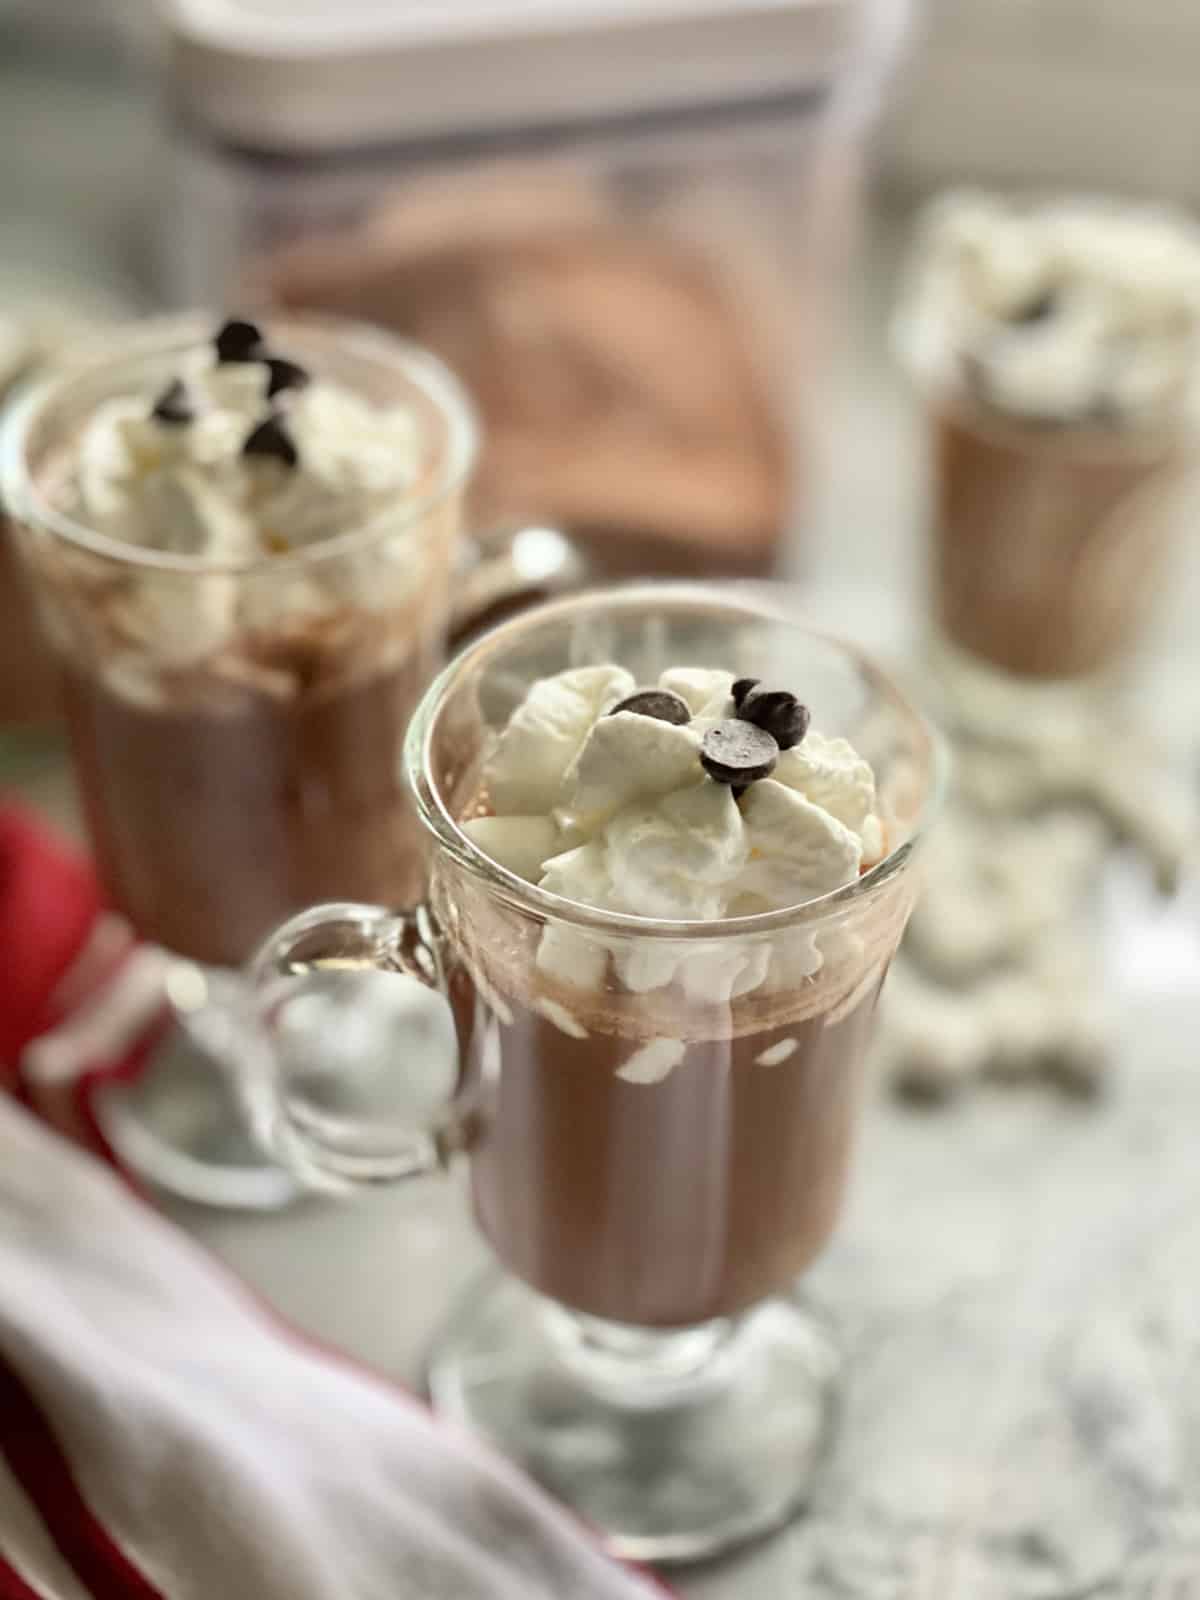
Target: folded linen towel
x=163, y=1435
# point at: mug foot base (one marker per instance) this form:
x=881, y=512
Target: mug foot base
x=710, y=1438
x=180, y=1127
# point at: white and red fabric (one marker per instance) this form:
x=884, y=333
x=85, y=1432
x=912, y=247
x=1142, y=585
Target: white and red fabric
x=81, y=1001
x=162, y=1435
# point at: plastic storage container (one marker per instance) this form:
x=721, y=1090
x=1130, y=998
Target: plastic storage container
x=620, y=222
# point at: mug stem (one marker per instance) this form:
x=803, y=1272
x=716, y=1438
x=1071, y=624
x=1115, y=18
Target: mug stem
x=650, y=1365
x=677, y=1443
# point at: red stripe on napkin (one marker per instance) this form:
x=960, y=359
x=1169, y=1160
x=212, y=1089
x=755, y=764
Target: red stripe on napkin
x=35, y=1458
x=49, y=900
x=14, y=1587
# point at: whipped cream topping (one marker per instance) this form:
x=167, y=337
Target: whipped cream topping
x=613, y=809
x=1067, y=311
x=237, y=461
x=191, y=487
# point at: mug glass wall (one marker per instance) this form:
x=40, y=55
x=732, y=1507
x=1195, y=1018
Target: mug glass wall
x=658, y=1115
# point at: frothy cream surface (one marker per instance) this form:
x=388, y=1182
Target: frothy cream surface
x=240, y=462
x=614, y=809
x=1063, y=311
x=197, y=486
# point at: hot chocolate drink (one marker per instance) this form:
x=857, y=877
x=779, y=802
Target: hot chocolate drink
x=225, y=810
x=637, y=997
x=1058, y=347
x=1049, y=549
x=245, y=627
x=665, y=1202
x=664, y=1125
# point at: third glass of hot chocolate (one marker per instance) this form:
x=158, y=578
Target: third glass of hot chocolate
x=1055, y=344
x=672, y=837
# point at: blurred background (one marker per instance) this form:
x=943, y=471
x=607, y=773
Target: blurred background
x=251, y=125
x=225, y=150
x=662, y=242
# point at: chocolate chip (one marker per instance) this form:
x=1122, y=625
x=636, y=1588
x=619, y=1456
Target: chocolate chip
x=738, y=753
x=664, y=705
x=779, y=712
x=741, y=688
x=284, y=375
x=238, y=341
x=1038, y=309
x=173, y=406
x=271, y=438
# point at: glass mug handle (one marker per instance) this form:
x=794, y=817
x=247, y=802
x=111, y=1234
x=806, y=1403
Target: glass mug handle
x=355, y=1074
x=508, y=568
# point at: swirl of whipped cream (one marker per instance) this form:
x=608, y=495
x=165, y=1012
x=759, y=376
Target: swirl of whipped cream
x=189, y=486
x=192, y=489
x=614, y=810
x=1067, y=311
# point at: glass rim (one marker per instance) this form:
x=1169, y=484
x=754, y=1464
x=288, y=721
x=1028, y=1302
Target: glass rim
x=945, y=394
x=23, y=500
x=1087, y=443
x=747, y=598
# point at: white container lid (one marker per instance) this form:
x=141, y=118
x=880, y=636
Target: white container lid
x=310, y=76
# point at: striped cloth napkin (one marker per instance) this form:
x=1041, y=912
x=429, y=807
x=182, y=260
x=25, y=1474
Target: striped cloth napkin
x=163, y=1436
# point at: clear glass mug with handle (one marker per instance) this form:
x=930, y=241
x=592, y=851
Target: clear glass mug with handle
x=237, y=722
x=653, y=1158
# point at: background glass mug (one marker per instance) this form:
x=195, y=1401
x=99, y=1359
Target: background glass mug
x=229, y=782
x=650, y=1167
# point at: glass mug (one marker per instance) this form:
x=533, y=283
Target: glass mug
x=237, y=725
x=658, y=1145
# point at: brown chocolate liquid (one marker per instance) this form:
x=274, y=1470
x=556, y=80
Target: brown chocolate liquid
x=1046, y=561
x=28, y=692
x=210, y=825
x=659, y=1204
